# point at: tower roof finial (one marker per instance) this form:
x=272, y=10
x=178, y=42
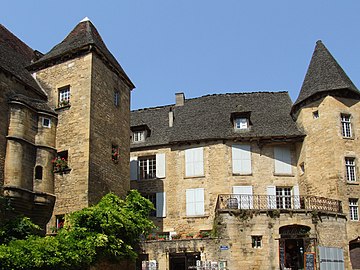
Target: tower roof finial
x=86, y=19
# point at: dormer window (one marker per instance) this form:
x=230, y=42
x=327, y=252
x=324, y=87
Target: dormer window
x=139, y=136
x=241, y=123
x=241, y=120
x=140, y=133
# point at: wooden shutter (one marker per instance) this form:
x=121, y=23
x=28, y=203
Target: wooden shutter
x=133, y=168
x=160, y=166
x=195, y=202
x=271, y=192
x=282, y=158
x=190, y=202
x=244, y=196
x=241, y=159
x=194, y=162
x=296, y=197
x=199, y=202
x=161, y=204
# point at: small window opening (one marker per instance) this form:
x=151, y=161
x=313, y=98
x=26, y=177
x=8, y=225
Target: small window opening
x=60, y=219
x=64, y=96
x=256, y=241
x=316, y=114
x=116, y=98
x=60, y=162
x=115, y=153
x=46, y=122
x=38, y=172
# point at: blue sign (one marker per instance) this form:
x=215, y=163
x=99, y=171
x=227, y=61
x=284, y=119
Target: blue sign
x=224, y=247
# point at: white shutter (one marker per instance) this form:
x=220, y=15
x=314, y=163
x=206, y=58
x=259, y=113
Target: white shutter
x=199, y=202
x=160, y=166
x=190, y=202
x=194, y=162
x=296, y=195
x=133, y=168
x=241, y=159
x=282, y=158
x=271, y=192
x=161, y=204
x=244, y=196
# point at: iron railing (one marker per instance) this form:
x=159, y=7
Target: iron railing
x=269, y=202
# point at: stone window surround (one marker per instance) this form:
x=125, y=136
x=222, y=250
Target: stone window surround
x=350, y=169
x=346, y=125
x=354, y=209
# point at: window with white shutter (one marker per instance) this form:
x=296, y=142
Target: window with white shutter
x=244, y=196
x=195, y=202
x=161, y=204
x=271, y=197
x=133, y=168
x=160, y=165
x=241, y=159
x=194, y=162
x=282, y=157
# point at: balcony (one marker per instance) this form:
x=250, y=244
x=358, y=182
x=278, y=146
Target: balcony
x=270, y=202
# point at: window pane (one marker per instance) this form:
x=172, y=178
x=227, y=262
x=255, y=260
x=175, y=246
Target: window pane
x=346, y=125
x=147, y=167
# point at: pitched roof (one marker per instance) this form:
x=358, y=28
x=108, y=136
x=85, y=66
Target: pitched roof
x=324, y=75
x=15, y=55
x=209, y=117
x=38, y=105
x=82, y=38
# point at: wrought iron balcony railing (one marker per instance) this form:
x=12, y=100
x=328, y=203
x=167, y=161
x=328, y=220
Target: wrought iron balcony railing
x=269, y=202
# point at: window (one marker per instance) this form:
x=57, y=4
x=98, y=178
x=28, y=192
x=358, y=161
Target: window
x=194, y=162
x=152, y=199
x=350, y=169
x=282, y=158
x=116, y=98
x=256, y=241
x=60, y=163
x=147, y=167
x=316, y=114
x=243, y=196
x=115, y=153
x=46, y=122
x=38, y=172
x=346, y=125
x=138, y=136
x=60, y=219
x=354, y=209
x=241, y=159
x=195, y=202
x=283, y=198
x=64, y=96
x=241, y=123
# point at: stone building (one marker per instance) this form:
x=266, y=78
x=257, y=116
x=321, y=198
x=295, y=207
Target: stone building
x=64, y=129
x=250, y=180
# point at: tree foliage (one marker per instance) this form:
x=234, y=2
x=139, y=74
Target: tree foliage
x=111, y=229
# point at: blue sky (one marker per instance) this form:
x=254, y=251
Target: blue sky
x=201, y=47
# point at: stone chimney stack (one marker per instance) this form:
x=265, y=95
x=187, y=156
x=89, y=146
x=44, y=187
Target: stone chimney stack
x=179, y=99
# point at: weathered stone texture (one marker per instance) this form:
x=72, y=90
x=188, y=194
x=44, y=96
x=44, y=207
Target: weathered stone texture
x=109, y=125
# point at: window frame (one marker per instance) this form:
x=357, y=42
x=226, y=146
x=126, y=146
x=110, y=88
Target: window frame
x=138, y=136
x=354, y=209
x=256, y=241
x=38, y=171
x=283, y=197
x=116, y=98
x=241, y=123
x=59, y=221
x=346, y=128
x=147, y=167
x=64, y=95
x=350, y=169
x=152, y=198
x=44, y=120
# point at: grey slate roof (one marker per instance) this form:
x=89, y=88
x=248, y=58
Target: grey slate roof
x=209, y=117
x=38, y=105
x=324, y=76
x=15, y=56
x=83, y=35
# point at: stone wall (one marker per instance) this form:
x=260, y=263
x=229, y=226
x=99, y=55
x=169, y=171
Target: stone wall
x=73, y=130
x=109, y=126
x=324, y=150
x=218, y=179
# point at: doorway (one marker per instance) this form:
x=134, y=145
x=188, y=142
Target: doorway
x=183, y=261
x=294, y=254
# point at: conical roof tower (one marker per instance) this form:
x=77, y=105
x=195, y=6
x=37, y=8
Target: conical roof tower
x=324, y=77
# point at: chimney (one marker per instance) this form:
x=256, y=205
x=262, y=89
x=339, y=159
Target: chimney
x=179, y=99
x=171, y=118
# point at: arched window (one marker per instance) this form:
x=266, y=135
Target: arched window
x=38, y=172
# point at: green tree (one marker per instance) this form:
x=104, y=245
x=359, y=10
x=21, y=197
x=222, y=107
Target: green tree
x=111, y=229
